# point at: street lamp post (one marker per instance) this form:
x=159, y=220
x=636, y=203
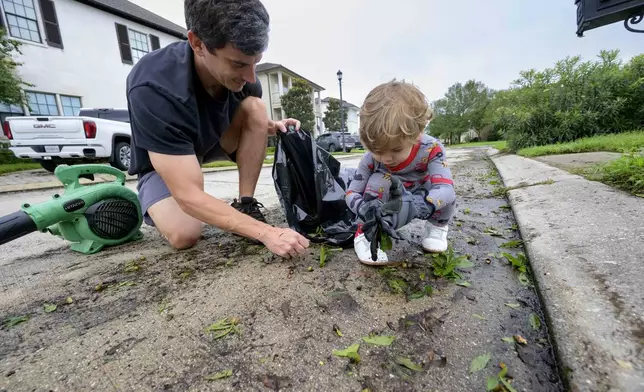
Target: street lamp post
x=341, y=107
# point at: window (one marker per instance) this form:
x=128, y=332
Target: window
x=41, y=104
x=139, y=45
x=133, y=44
x=22, y=20
x=71, y=105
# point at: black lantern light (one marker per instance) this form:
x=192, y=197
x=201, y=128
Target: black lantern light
x=339, y=73
x=592, y=14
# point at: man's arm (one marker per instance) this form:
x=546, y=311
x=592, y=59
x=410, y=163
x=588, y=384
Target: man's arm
x=162, y=126
x=184, y=178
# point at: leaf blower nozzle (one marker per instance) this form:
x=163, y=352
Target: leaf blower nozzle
x=16, y=225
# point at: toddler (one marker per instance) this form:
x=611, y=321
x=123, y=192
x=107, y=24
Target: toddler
x=393, y=118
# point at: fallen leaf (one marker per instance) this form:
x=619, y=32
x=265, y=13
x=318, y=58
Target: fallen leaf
x=218, y=376
x=350, y=352
x=520, y=339
x=383, y=340
x=50, y=308
x=336, y=329
x=13, y=321
x=513, y=306
x=624, y=364
x=464, y=283
x=406, y=362
x=478, y=316
x=466, y=211
x=479, y=363
x=535, y=321
x=492, y=383
x=310, y=269
x=508, y=339
x=512, y=244
x=69, y=300
x=492, y=231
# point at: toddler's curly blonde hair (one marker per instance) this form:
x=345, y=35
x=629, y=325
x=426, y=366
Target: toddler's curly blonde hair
x=393, y=113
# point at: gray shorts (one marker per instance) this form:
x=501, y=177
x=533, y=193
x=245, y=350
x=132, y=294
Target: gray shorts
x=152, y=189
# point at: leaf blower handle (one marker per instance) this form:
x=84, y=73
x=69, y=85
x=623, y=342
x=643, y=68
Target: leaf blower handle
x=15, y=225
x=69, y=175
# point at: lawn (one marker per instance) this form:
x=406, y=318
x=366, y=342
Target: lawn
x=621, y=142
x=7, y=168
x=499, y=145
x=625, y=173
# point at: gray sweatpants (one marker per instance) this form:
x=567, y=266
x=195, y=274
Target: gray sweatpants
x=152, y=189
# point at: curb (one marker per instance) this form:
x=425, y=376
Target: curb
x=587, y=280
x=36, y=186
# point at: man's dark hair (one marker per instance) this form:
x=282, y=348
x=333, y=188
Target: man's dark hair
x=242, y=23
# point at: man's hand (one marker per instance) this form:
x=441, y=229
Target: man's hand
x=285, y=242
x=281, y=125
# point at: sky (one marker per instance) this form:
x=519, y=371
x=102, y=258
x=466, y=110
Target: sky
x=431, y=43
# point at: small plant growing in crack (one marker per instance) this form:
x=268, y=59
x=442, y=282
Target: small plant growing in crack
x=520, y=263
x=445, y=265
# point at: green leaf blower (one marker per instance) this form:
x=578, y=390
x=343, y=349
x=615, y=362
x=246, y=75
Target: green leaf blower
x=90, y=216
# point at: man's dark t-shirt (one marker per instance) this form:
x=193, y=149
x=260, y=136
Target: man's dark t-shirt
x=170, y=110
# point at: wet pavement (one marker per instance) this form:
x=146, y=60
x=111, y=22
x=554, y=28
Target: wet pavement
x=136, y=317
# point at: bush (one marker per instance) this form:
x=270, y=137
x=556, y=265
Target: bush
x=6, y=155
x=572, y=100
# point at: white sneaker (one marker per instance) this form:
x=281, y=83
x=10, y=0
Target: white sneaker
x=362, y=248
x=435, y=239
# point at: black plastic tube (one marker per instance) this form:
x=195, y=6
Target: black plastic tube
x=16, y=225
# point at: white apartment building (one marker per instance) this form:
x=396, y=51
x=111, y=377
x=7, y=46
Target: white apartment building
x=276, y=80
x=78, y=53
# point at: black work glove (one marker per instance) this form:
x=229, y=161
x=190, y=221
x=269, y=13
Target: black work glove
x=380, y=214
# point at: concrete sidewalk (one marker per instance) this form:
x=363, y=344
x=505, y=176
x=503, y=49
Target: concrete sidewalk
x=585, y=242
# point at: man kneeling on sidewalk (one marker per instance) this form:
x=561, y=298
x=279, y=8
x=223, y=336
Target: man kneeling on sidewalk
x=198, y=101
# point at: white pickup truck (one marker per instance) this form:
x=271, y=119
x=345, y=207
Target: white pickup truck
x=93, y=135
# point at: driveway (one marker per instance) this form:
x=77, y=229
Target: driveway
x=137, y=316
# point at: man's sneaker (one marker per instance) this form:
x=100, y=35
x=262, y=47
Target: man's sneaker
x=362, y=248
x=249, y=206
x=435, y=238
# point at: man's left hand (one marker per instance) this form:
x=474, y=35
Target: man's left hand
x=281, y=125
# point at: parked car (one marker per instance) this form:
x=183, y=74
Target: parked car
x=358, y=145
x=332, y=141
x=94, y=135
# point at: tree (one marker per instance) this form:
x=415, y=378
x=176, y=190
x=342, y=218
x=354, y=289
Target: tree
x=463, y=108
x=298, y=103
x=332, y=115
x=11, y=92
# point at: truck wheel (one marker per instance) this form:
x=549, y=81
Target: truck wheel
x=121, y=158
x=50, y=166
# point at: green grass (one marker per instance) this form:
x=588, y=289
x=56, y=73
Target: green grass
x=622, y=142
x=499, y=145
x=625, y=173
x=7, y=168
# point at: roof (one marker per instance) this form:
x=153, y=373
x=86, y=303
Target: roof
x=344, y=103
x=265, y=67
x=135, y=13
